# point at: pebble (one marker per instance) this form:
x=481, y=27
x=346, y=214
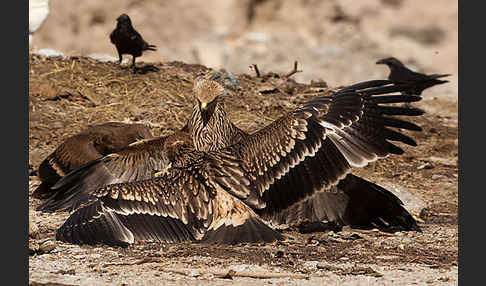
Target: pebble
x=47, y=246
x=311, y=264
x=50, y=53
x=194, y=273
x=436, y=176
x=425, y=166
x=344, y=258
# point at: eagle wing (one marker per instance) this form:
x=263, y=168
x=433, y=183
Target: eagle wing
x=189, y=202
x=313, y=147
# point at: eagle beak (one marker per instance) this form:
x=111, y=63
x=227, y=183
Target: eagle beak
x=205, y=113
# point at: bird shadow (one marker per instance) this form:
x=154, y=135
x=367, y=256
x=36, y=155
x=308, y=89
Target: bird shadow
x=141, y=69
x=145, y=69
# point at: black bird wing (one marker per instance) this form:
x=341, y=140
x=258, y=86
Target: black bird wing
x=354, y=201
x=90, y=144
x=313, y=148
x=138, y=161
x=190, y=202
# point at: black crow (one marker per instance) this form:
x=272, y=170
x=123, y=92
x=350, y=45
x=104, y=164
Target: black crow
x=127, y=40
x=399, y=73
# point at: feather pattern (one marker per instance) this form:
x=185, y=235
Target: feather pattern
x=189, y=202
x=90, y=144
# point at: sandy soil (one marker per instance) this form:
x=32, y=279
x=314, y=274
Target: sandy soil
x=66, y=95
x=337, y=45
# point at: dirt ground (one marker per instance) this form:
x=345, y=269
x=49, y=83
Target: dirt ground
x=67, y=94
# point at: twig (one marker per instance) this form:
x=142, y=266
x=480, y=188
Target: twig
x=53, y=72
x=232, y=273
x=294, y=71
x=255, y=68
x=137, y=262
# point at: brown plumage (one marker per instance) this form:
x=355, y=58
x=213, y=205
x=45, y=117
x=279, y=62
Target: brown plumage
x=208, y=115
x=90, y=144
x=304, y=154
x=308, y=153
x=198, y=198
x=136, y=162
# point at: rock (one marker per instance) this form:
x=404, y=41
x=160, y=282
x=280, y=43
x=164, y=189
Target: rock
x=311, y=264
x=344, y=258
x=107, y=58
x=194, y=273
x=50, y=53
x=425, y=166
x=324, y=266
x=47, y=246
x=437, y=177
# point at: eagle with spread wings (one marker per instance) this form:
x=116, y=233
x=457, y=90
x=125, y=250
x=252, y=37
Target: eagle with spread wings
x=214, y=182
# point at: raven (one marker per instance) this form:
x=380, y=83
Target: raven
x=399, y=73
x=127, y=40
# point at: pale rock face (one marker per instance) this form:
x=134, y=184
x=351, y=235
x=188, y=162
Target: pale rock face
x=38, y=11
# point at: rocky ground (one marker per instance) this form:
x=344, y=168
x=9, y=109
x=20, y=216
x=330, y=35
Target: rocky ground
x=335, y=43
x=67, y=94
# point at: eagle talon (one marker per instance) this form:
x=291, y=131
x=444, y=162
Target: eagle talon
x=417, y=219
x=164, y=171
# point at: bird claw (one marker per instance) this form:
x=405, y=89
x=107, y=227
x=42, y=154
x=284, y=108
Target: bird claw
x=416, y=218
x=138, y=141
x=164, y=171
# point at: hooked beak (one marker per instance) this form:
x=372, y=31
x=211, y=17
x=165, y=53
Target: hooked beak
x=205, y=113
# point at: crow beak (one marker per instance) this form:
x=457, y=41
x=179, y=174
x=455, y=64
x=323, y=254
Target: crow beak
x=380, y=62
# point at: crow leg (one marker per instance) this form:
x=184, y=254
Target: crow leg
x=133, y=65
x=120, y=58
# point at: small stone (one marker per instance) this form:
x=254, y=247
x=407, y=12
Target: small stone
x=323, y=266
x=194, y=273
x=47, y=246
x=425, y=166
x=436, y=177
x=311, y=264
x=50, y=53
x=95, y=256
